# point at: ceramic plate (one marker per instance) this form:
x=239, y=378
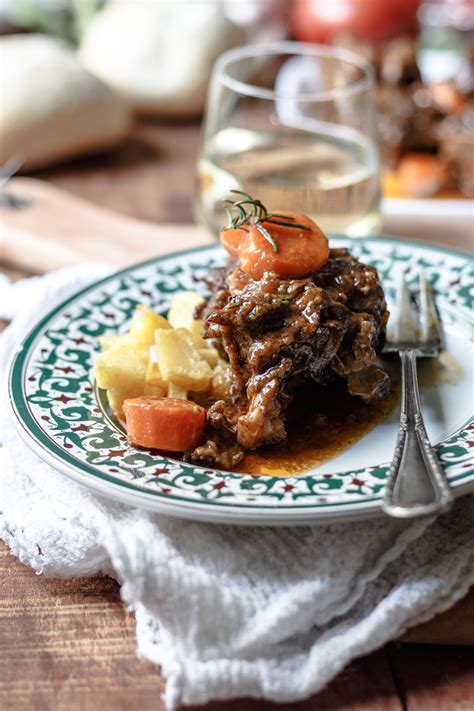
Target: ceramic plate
x=59, y=413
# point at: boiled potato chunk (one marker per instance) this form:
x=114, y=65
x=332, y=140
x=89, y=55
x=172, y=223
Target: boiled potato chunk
x=122, y=368
x=144, y=324
x=211, y=355
x=154, y=383
x=176, y=391
x=116, y=399
x=109, y=341
x=181, y=315
x=195, y=329
x=181, y=312
x=179, y=359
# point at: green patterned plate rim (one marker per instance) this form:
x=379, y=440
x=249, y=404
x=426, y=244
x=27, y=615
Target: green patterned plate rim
x=59, y=413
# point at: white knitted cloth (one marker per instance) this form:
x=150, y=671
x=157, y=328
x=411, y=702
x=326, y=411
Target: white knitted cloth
x=228, y=612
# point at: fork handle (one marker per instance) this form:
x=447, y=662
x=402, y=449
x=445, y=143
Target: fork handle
x=416, y=484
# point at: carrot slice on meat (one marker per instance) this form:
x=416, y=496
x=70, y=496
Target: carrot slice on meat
x=287, y=250
x=294, y=253
x=164, y=423
x=232, y=240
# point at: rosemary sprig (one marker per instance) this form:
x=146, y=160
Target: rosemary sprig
x=267, y=236
x=250, y=211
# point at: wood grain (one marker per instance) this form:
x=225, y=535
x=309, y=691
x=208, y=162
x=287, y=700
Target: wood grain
x=152, y=177
x=455, y=626
x=70, y=645
x=431, y=679
x=56, y=229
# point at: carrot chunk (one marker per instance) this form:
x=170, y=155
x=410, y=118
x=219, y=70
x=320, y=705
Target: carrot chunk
x=164, y=423
x=232, y=240
x=287, y=250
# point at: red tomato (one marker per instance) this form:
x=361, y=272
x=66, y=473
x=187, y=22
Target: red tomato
x=371, y=20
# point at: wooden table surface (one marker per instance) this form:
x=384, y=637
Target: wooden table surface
x=71, y=645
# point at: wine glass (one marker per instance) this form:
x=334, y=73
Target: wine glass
x=292, y=124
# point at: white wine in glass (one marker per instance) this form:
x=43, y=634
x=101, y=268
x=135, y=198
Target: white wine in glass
x=302, y=139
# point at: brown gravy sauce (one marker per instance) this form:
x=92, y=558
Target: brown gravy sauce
x=326, y=424
x=316, y=434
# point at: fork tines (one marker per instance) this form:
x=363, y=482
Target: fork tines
x=416, y=329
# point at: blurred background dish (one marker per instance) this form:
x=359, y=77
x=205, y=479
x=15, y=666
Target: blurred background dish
x=367, y=20
x=169, y=52
x=155, y=59
x=72, y=111
x=422, y=56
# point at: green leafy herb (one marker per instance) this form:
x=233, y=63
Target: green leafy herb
x=250, y=211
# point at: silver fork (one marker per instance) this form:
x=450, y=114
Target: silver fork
x=416, y=484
